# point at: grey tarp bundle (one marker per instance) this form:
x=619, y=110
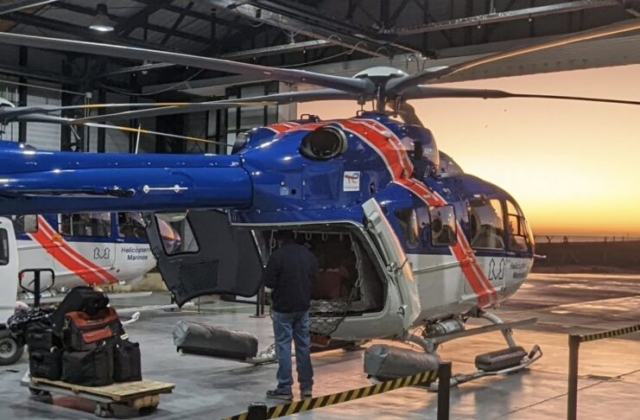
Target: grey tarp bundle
x=205, y=340
x=386, y=362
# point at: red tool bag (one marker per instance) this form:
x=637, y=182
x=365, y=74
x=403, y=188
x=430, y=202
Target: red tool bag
x=82, y=332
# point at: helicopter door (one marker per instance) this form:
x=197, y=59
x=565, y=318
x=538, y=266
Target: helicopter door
x=395, y=260
x=211, y=256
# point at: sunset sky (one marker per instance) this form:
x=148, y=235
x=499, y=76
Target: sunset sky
x=573, y=167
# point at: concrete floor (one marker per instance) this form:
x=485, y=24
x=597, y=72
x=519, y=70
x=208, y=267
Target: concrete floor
x=213, y=389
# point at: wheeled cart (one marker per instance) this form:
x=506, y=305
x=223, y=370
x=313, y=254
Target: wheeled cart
x=141, y=396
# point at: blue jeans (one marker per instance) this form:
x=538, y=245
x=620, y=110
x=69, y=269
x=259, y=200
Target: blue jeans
x=288, y=326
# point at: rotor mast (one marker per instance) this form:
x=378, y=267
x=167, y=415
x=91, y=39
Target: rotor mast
x=379, y=77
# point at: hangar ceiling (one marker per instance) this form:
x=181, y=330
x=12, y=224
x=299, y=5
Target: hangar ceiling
x=291, y=33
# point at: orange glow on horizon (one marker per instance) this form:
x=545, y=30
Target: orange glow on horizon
x=572, y=166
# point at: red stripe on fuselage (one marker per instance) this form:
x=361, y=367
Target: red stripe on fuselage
x=394, y=154
x=75, y=255
x=461, y=250
x=60, y=255
x=380, y=144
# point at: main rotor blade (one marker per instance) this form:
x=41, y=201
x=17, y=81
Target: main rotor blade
x=7, y=114
x=275, y=99
x=425, y=92
x=285, y=75
x=43, y=118
x=400, y=85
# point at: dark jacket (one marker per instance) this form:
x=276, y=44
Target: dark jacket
x=289, y=273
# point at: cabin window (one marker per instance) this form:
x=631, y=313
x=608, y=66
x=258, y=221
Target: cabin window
x=409, y=223
x=184, y=242
x=443, y=225
x=25, y=223
x=4, y=247
x=486, y=223
x=131, y=225
x=93, y=225
x=519, y=233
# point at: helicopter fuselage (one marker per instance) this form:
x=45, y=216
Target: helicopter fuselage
x=439, y=246
x=417, y=240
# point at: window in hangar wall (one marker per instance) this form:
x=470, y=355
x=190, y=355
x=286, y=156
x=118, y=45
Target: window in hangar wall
x=225, y=124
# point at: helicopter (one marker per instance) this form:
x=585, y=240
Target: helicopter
x=424, y=246
x=96, y=249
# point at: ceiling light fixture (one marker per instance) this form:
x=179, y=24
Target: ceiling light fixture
x=101, y=22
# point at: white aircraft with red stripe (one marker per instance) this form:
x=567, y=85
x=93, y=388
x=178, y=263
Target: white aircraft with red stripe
x=96, y=249
x=410, y=246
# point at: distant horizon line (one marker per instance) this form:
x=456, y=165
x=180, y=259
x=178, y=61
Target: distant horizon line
x=586, y=235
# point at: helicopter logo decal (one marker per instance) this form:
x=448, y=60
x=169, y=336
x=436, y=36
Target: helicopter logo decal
x=492, y=270
x=351, y=181
x=97, y=255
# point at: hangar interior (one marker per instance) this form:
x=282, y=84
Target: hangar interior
x=331, y=36
x=337, y=37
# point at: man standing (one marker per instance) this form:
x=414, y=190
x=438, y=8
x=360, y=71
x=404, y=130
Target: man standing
x=289, y=273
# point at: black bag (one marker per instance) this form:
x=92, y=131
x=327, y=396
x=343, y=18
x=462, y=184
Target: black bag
x=82, y=332
x=88, y=368
x=46, y=364
x=39, y=336
x=79, y=299
x=126, y=362
x=205, y=340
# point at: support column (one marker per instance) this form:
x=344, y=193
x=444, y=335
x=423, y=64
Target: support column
x=22, y=94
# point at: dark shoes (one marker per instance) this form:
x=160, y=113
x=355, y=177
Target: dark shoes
x=279, y=395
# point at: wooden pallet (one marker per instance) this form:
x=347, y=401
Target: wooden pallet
x=143, y=396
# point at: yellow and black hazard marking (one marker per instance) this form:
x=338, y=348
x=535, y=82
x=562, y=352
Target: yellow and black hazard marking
x=341, y=397
x=609, y=334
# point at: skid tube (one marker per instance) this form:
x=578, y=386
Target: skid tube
x=430, y=345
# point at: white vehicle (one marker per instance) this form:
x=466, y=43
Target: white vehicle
x=10, y=351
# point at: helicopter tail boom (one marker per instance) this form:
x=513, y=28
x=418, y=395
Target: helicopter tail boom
x=74, y=182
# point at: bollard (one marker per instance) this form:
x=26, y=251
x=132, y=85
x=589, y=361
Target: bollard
x=572, y=398
x=444, y=385
x=260, y=303
x=257, y=411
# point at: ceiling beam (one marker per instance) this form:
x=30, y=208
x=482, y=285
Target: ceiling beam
x=120, y=20
x=260, y=14
x=14, y=6
x=70, y=29
x=140, y=18
x=530, y=12
x=190, y=13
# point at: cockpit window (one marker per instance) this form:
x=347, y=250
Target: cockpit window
x=486, y=224
x=520, y=237
x=130, y=225
x=443, y=225
x=86, y=224
x=409, y=223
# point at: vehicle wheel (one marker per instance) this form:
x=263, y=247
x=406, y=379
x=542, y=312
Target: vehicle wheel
x=103, y=410
x=10, y=351
x=38, y=392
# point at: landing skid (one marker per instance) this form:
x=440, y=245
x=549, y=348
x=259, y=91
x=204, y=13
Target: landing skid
x=458, y=379
x=502, y=362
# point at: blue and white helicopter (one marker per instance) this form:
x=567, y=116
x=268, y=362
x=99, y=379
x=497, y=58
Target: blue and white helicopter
x=419, y=245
